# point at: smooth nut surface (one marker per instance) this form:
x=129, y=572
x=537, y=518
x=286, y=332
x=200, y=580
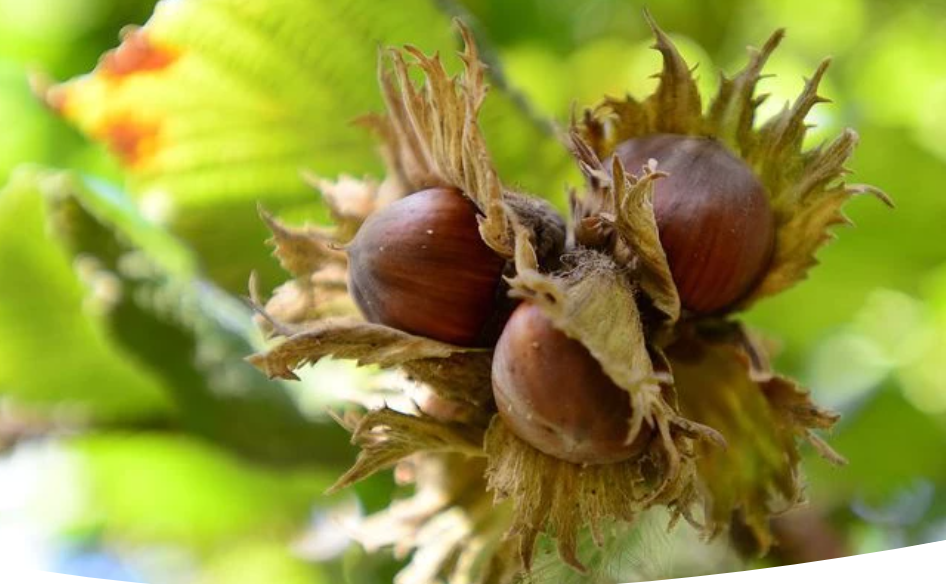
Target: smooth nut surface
x=713, y=216
x=554, y=395
x=419, y=265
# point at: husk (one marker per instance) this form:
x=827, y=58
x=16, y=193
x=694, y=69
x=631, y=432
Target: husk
x=617, y=213
x=350, y=201
x=762, y=416
x=722, y=430
x=386, y=437
x=449, y=526
x=319, y=287
x=806, y=188
x=431, y=135
x=454, y=373
x=561, y=499
x=593, y=301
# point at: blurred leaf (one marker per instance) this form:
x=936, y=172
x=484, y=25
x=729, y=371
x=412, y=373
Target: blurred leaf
x=153, y=489
x=190, y=334
x=64, y=36
x=360, y=567
x=889, y=444
x=839, y=24
x=216, y=104
x=613, y=66
x=27, y=129
x=53, y=354
x=259, y=563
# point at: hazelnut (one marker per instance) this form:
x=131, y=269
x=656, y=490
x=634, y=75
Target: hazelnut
x=420, y=265
x=552, y=393
x=713, y=216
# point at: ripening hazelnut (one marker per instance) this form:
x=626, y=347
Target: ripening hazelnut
x=419, y=265
x=552, y=393
x=714, y=218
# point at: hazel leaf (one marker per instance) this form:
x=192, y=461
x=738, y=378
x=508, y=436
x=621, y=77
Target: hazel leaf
x=176, y=326
x=213, y=105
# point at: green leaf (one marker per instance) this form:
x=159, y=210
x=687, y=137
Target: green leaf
x=889, y=445
x=216, y=104
x=259, y=562
x=53, y=354
x=186, y=331
x=159, y=488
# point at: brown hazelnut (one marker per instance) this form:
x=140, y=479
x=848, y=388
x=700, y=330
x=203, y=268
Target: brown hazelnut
x=552, y=393
x=420, y=265
x=713, y=215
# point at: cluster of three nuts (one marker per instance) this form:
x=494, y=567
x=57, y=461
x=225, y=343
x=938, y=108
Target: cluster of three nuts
x=420, y=265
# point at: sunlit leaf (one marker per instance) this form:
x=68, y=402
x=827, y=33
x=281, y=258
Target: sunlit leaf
x=215, y=104
x=259, y=562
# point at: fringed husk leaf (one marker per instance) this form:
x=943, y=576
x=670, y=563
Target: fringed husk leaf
x=431, y=136
x=806, y=187
x=592, y=300
x=386, y=437
x=454, y=373
x=561, y=499
x=449, y=526
x=617, y=213
x=762, y=417
x=319, y=288
x=350, y=201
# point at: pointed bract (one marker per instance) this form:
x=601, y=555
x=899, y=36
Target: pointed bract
x=806, y=188
x=452, y=372
x=763, y=417
x=386, y=436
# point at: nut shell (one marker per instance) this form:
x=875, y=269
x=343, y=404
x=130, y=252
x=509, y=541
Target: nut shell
x=552, y=393
x=419, y=265
x=713, y=215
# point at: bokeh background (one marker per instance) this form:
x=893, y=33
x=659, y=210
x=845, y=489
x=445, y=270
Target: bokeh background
x=134, y=442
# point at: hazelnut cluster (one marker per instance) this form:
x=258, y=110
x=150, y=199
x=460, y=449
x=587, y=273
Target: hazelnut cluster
x=573, y=375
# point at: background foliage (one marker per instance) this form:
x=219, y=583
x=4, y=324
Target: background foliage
x=137, y=445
